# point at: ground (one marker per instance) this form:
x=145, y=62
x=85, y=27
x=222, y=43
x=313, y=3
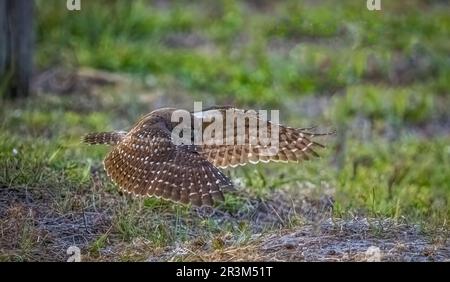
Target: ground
x=380, y=191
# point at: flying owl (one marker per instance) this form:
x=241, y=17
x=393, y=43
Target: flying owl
x=149, y=160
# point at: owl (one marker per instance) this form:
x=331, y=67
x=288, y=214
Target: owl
x=177, y=155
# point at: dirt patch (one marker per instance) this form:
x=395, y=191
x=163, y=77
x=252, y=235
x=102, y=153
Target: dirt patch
x=185, y=40
x=32, y=228
x=41, y=223
x=351, y=240
x=358, y=239
x=280, y=227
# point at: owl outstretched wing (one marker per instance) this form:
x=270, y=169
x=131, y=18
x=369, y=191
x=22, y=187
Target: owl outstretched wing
x=292, y=144
x=147, y=163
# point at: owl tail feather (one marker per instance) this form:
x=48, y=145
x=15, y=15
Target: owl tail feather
x=107, y=138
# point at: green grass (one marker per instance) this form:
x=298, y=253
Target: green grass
x=384, y=77
x=337, y=45
x=404, y=178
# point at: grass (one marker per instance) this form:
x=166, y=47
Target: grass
x=230, y=54
x=380, y=78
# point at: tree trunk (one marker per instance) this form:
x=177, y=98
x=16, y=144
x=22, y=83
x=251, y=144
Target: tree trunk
x=16, y=50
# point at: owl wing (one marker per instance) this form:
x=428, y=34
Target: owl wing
x=147, y=163
x=294, y=144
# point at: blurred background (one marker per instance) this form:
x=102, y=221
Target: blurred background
x=381, y=78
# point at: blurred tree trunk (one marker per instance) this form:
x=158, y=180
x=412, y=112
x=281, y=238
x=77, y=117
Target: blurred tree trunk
x=16, y=50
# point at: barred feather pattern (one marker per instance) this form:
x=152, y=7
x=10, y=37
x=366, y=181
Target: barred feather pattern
x=147, y=163
x=105, y=138
x=295, y=144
